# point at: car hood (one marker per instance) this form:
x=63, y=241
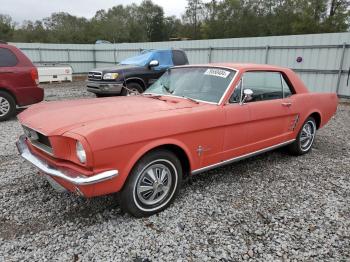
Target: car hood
x=56, y=118
x=117, y=68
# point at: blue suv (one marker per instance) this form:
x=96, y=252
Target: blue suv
x=134, y=74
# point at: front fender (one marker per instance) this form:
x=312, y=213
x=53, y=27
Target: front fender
x=147, y=147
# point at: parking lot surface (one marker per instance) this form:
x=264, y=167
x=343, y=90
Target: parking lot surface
x=270, y=207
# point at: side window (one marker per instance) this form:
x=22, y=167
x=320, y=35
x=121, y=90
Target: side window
x=164, y=59
x=265, y=85
x=7, y=58
x=179, y=58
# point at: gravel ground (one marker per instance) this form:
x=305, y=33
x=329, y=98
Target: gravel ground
x=270, y=208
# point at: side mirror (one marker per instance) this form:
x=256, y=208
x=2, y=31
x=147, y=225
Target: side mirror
x=153, y=63
x=248, y=96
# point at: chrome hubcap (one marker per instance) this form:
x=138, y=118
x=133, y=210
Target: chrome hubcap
x=307, y=135
x=4, y=106
x=154, y=184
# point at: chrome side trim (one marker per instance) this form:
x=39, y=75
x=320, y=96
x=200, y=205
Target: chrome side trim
x=22, y=107
x=238, y=158
x=54, y=172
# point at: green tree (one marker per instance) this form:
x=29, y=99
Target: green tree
x=31, y=32
x=338, y=16
x=172, y=27
x=213, y=19
x=65, y=28
x=7, y=27
x=193, y=17
x=152, y=17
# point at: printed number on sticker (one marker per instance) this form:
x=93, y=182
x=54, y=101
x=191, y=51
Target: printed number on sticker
x=217, y=72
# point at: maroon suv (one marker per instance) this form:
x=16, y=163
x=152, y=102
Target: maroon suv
x=18, y=81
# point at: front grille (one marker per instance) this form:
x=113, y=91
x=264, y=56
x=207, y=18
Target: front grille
x=94, y=75
x=38, y=140
x=44, y=140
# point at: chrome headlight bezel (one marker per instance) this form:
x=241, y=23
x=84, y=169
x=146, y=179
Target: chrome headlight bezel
x=110, y=76
x=80, y=152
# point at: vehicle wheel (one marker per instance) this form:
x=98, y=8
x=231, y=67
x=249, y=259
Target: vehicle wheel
x=7, y=106
x=152, y=185
x=305, y=138
x=132, y=89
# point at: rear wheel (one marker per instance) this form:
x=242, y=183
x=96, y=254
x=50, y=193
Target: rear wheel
x=305, y=138
x=7, y=106
x=132, y=88
x=152, y=185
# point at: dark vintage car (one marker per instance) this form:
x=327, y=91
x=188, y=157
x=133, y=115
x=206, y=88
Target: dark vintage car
x=135, y=74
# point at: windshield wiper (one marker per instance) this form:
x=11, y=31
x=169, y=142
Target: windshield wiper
x=153, y=96
x=190, y=99
x=167, y=89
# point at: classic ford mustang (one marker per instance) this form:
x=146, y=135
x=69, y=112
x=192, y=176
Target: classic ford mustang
x=194, y=118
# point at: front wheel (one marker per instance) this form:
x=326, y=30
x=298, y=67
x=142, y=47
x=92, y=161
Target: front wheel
x=7, y=106
x=152, y=185
x=305, y=138
x=132, y=88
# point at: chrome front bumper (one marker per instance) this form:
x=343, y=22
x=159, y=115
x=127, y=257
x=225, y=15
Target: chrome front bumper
x=100, y=87
x=43, y=166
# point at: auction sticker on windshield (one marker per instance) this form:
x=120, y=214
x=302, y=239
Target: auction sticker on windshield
x=217, y=72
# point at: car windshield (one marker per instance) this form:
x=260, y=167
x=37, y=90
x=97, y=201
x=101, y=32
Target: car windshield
x=140, y=60
x=199, y=83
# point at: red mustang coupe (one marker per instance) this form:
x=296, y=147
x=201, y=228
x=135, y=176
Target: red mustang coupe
x=194, y=118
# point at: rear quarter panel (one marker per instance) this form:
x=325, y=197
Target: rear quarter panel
x=325, y=104
x=306, y=103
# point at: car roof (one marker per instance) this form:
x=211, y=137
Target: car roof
x=160, y=50
x=241, y=66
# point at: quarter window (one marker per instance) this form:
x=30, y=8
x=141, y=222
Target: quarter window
x=7, y=58
x=286, y=88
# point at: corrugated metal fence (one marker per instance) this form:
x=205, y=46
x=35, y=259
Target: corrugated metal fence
x=321, y=60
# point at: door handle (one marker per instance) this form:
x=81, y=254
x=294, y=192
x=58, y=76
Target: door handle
x=287, y=104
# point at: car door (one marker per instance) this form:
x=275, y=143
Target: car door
x=164, y=58
x=271, y=109
x=148, y=75
x=154, y=74
x=236, y=131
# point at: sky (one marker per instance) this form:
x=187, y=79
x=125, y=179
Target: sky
x=21, y=10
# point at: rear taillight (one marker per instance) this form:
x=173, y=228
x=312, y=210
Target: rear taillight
x=34, y=75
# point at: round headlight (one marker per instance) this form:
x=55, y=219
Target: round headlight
x=81, y=154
